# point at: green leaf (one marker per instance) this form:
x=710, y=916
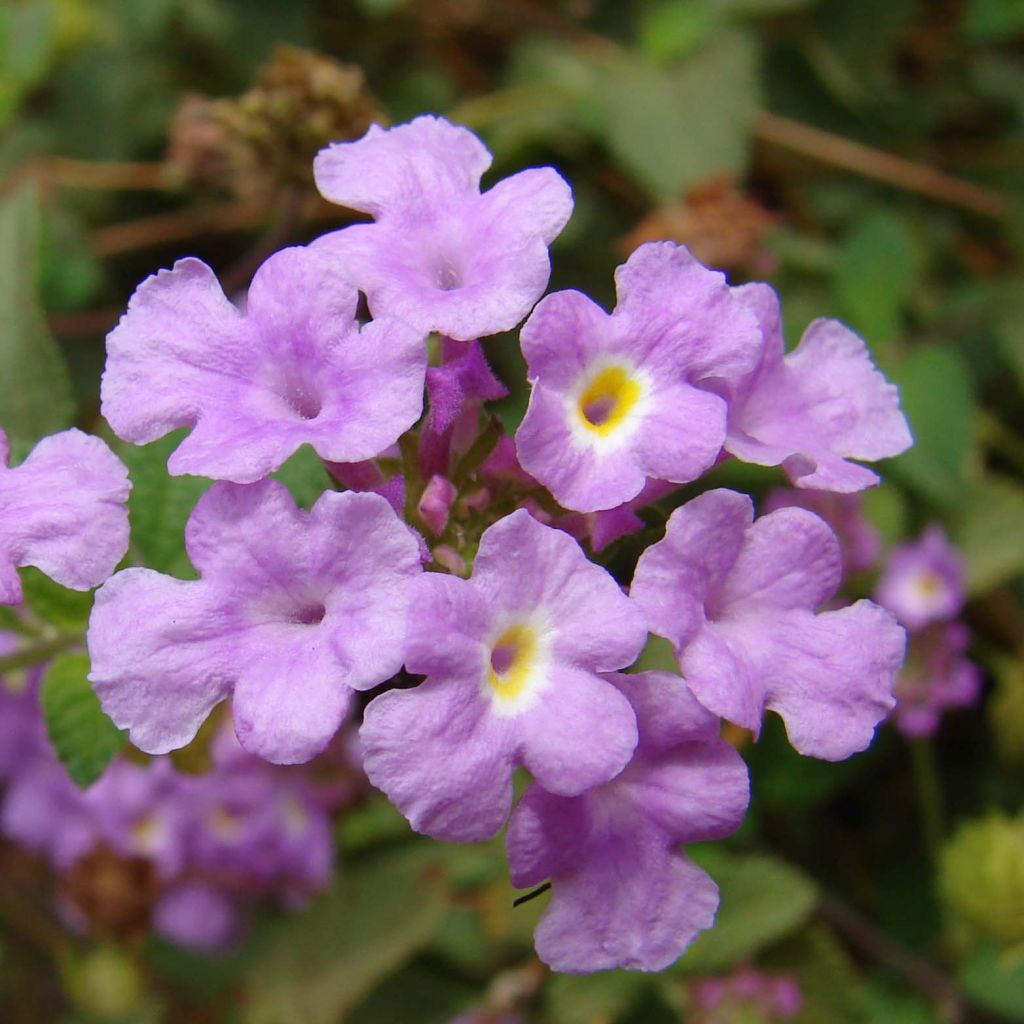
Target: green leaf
x=762, y=901
x=27, y=40
x=994, y=979
x=159, y=506
x=66, y=609
x=305, y=475
x=84, y=738
x=671, y=129
x=937, y=396
x=877, y=270
x=994, y=20
x=990, y=532
x=584, y=999
x=35, y=387
x=316, y=965
x=675, y=28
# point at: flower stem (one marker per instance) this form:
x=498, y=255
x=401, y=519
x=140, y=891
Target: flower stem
x=36, y=653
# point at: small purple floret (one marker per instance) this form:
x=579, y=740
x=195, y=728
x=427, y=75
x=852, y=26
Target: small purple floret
x=440, y=254
x=292, y=612
x=512, y=658
x=623, y=895
x=63, y=510
x=295, y=368
x=924, y=581
x=739, y=599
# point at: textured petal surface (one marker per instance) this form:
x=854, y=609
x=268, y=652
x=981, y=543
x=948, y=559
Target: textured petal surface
x=522, y=564
x=581, y=733
x=539, y=198
x=294, y=369
x=677, y=575
x=63, y=510
x=442, y=760
x=405, y=169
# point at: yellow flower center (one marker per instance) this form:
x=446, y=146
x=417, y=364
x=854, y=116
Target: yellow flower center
x=607, y=400
x=512, y=658
x=929, y=584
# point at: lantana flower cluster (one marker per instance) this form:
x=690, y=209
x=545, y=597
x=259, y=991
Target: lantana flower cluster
x=454, y=573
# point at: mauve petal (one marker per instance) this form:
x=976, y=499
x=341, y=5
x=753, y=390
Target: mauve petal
x=63, y=510
x=195, y=915
x=636, y=906
x=667, y=713
x=684, y=316
x=427, y=162
x=598, y=627
x=565, y=332
x=161, y=652
x=830, y=677
x=546, y=836
x=674, y=577
x=446, y=607
x=681, y=436
x=790, y=559
x=441, y=758
x=723, y=674
x=576, y=474
x=580, y=734
x=539, y=198
x=289, y=697
x=699, y=791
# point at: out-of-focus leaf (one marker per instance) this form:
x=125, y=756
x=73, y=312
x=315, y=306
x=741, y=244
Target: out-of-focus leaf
x=35, y=389
x=937, y=397
x=52, y=603
x=671, y=129
x=416, y=993
x=829, y=986
x=876, y=272
x=316, y=965
x=27, y=40
x=994, y=20
x=990, y=532
x=762, y=901
x=675, y=28
x=160, y=505
x=84, y=738
x=885, y=1006
x=1010, y=330
x=994, y=979
x=583, y=999
x=305, y=475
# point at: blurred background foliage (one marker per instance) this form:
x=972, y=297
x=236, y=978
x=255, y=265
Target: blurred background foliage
x=865, y=157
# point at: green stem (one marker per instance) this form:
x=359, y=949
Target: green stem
x=36, y=653
x=929, y=794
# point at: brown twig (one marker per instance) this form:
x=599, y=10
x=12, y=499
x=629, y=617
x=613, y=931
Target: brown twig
x=94, y=174
x=877, y=164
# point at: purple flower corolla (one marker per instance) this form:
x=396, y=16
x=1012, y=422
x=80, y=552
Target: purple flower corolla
x=440, y=254
x=859, y=542
x=924, y=581
x=294, y=368
x=937, y=678
x=293, y=610
x=63, y=510
x=738, y=601
x=196, y=915
x=814, y=409
x=619, y=398
x=726, y=1000
x=511, y=658
x=623, y=895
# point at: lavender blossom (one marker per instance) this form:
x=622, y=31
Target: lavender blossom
x=738, y=600
x=924, y=581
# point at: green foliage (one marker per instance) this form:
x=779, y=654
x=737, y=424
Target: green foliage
x=938, y=398
x=672, y=128
x=988, y=531
x=994, y=979
x=51, y=603
x=35, y=390
x=313, y=967
x=27, y=42
x=160, y=505
x=572, y=999
x=762, y=901
x=83, y=737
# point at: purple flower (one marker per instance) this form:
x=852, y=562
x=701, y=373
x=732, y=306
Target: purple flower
x=440, y=254
x=623, y=895
x=729, y=999
x=196, y=915
x=63, y=510
x=293, y=610
x=619, y=398
x=815, y=408
x=295, y=368
x=937, y=678
x=923, y=581
x=738, y=600
x=511, y=658
x=859, y=542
